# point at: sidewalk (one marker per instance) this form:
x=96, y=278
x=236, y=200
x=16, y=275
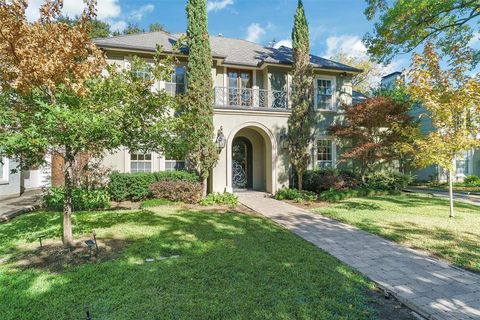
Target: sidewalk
x=457, y=196
x=12, y=207
x=432, y=288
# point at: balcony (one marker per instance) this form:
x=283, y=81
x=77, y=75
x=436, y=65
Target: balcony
x=250, y=97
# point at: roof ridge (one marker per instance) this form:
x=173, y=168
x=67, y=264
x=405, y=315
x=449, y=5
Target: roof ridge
x=136, y=34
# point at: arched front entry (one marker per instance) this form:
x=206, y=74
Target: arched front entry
x=242, y=163
x=251, y=158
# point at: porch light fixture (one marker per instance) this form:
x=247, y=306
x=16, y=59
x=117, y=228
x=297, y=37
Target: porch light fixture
x=220, y=142
x=283, y=140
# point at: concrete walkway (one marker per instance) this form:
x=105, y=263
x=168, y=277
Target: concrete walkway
x=434, y=289
x=12, y=207
x=457, y=196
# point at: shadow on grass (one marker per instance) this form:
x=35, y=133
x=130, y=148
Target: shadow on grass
x=230, y=265
x=356, y=205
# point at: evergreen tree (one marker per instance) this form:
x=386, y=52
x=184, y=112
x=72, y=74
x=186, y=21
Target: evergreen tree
x=197, y=112
x=301, y=119
x=156, y=27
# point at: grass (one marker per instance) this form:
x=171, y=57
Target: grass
x=230, y=265
x=417, y=221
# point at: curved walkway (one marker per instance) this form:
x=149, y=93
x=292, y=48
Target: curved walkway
x=434, y=289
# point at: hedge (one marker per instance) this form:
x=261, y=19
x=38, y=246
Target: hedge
x=136, y=186
x=177, y=190
x=82, y=199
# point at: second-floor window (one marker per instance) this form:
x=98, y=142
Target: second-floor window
x=177, y=81
x=324, y=94
x=140, y=162
x=239, y=88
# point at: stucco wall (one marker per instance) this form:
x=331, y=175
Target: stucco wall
x=11, y=186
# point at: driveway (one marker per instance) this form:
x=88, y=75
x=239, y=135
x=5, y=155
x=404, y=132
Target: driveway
x=12, y=207
x=467, y=197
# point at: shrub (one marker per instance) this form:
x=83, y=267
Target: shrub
x=338, y=195
x=82, y=199
x=471, y=181
x=136, y=186
x=296, y=195
x=177, y=190
x=326, y=179
x=225, y=198
x=387, y=180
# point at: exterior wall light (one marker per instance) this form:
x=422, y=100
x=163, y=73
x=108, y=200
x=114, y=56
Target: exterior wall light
x=283, y=140
x=220, y=142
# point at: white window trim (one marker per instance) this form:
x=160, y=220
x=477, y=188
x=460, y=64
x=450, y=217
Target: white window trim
x=315, y=151
x=128, y=161
x=334, y=92
x=4, y=178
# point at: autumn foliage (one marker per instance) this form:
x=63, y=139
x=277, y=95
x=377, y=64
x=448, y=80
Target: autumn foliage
x=44, y=54
x=377, y=131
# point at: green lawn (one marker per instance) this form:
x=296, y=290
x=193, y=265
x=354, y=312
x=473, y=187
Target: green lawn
x=230, y=265
x=417, y=221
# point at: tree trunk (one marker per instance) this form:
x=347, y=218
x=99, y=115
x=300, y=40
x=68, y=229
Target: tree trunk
x=67, y=199
x=300, y=180
x=450, y=192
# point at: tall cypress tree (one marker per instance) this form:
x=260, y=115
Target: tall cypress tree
x=302, y=117
x=198, y=109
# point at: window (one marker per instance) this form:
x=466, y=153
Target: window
x=140, y=162
x=3, y=170
x=177, y=82
x=143, y=73
x=324, y=95
x=324, y=153
x=462, y=167
x=174, y=165
x=239, y=88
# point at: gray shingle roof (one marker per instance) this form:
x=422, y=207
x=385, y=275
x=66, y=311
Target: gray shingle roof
x=233, y=51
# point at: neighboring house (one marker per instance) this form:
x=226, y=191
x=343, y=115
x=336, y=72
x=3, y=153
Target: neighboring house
x=252, y=86
x=14, y=182
x=465, y=165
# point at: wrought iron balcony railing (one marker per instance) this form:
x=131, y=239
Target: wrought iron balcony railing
x=250, y=97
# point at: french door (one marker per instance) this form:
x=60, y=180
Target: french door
x=239, y=88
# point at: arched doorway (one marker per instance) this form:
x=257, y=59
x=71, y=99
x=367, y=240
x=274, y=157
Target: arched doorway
x=242, y=163
x=251, y=159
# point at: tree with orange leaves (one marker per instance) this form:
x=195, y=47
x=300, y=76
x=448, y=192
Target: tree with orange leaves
x=379, y=130
x=54, y=98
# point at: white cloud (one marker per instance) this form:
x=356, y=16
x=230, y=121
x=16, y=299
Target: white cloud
x=216, y=5
x=475, y=41
x=255, y=32
x=285, y=42
x=350, y=45
x=119, y=26
x=137, y=14
x=106, y=9
x=353, y=47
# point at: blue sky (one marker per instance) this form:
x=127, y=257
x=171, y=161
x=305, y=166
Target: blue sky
x=335, y=25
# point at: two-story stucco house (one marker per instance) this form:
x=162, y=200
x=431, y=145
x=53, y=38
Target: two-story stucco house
x=252, y=86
